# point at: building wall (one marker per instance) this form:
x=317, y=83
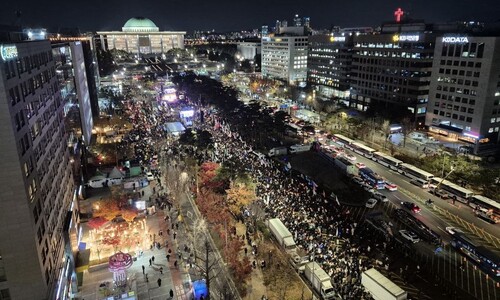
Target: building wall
x=329, y=61
x=36, y=172
x=285, y=58
x=249, y=50
x=464, y=101
x=392, y=69
x=142, y=43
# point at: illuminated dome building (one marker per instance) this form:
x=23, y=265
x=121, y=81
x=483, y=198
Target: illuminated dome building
x=141, y=36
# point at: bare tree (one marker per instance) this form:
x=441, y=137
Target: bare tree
x=206, y=259
x=386, y=129
x=407, y=126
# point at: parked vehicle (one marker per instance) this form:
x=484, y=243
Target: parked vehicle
x=380, y=197
x=320, y=280
x=360, y=165
x=150, y=176
x=277, y=151
x=410, y=236
x=371, y=203
x=380, y=287
x=282, y=235
x=421, y=183
x=299, y=148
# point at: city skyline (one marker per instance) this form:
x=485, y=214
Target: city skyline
x=195, y=15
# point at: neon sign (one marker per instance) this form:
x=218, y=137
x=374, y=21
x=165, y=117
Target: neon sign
x=399, y=14
x=337, y=39
x=8, y=52
x=406, y=38
x=455, y=39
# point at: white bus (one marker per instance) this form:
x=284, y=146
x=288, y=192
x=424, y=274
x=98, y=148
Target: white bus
x=455, y=192
x=343, y=141
x=363, y=150
x=414, y=172
x=386, y=160
x=486, y=208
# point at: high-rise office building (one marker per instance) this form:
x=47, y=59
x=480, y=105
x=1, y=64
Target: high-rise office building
x=329, y=62
x=285, y=58
x=464, y=98
x=297, y=21
x=392, y=70
x=38, y=205
x=264, y=30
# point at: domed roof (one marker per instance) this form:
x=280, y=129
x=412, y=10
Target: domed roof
x=140, y=24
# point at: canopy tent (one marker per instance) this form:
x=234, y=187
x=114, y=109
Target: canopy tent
x=307, y=115
x=174, y=128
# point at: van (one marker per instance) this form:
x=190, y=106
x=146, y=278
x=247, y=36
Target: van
x=420, y=183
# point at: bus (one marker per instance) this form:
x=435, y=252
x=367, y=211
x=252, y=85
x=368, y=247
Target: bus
x=455, y=192
x=373, y=178
x=386, y=160
x=343, y=141
x=363, y=150
x=414, y=172
x=486, y=208
x=487, y=260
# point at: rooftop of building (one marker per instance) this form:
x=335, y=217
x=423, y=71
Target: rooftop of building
x=140, y=24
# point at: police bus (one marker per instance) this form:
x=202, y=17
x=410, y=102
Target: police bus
x=386, y=160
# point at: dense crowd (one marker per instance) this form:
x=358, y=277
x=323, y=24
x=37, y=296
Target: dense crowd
x=320, y=227
x=316, y=221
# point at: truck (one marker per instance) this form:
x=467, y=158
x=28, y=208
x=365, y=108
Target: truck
x=319, y=280
x=277, y=151
x=297, y=148
x=380, y=287
x=346, y=166
x=281, y=234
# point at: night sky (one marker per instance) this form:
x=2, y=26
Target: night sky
x=226, y=15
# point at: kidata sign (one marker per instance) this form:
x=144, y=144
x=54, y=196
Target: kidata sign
x=406, y=38
x=8, y=52
x=455, y=39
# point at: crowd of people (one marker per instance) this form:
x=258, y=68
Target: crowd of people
x=319, y=225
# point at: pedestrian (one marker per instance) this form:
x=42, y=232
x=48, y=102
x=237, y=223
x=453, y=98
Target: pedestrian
x=173, y=225
x=159, y=282
x=175, y=234
x=177, y=226
x=171, y=293
x=147, y=279
x=246, y=251
x=168, y=257
x=175, y=264
x=150, y=262
x=161, y=270
x=143, y=270
x=153, y=259
x=168, y=231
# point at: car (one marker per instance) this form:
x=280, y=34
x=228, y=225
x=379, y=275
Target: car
x=440, y=193
x=453, y=230
x=150, y=176
x=358, y=180
x=360, y=165
x=410, y=236
x=368, y=188
x=371, y=203
x=380, y=196
x=350, y=157
x=391, y=186
x=411, y=207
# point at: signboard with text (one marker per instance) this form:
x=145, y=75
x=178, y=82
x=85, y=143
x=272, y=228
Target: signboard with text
x=8, y=52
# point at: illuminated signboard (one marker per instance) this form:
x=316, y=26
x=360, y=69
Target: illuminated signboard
x=337, y=39
x=455, y=39
x=405, y=38
x=8, y=52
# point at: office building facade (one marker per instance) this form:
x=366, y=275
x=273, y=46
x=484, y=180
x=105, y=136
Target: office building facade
x=285, y=58
x=329, y=62
x=38, y=205
x=391, y=70
x=248, y=50
x=464, y=102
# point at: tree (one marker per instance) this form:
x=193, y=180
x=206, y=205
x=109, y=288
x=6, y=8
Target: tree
x=407, y=126
x=187, y=137
x=239, y=195
x=203, y=139
x=386, y=129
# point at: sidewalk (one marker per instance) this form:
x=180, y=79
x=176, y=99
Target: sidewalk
x=171, y=279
